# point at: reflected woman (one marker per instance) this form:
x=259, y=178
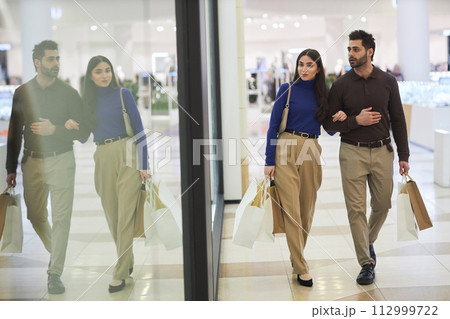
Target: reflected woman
x=117, y=184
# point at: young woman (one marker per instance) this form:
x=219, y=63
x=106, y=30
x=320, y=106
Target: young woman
x=293, y=158
x=116, y=183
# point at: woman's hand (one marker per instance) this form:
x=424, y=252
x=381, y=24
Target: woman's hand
x=145, y=174
x=72, y=125
x=269, y=171
x=339, y=116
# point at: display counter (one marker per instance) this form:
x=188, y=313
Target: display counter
x=427, y=108
x=6, y=96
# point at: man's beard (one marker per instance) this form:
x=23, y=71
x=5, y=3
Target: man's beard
x=359, y=62
x=50, y=72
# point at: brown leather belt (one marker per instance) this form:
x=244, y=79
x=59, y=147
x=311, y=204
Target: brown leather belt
x=35, y=154
x=111, y=140
x=373, y=144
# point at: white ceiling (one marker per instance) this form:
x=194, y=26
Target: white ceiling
x=119, y=11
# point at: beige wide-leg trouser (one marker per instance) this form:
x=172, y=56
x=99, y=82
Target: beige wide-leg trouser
x=361, y=166
x=118, y=186
x=298, y=176
x=53, y=175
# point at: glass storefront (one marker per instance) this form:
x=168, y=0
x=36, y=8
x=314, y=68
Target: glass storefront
x=139, y=38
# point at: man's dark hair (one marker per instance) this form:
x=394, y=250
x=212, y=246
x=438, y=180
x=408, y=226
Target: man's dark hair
x=39, y=49
x=368, y=42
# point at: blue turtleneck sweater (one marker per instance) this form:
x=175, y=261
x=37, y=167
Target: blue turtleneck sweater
x=301, y=118
x=110, y=123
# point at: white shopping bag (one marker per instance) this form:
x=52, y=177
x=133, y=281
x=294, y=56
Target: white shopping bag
x=12, y=238
x=253, y=219
x=406, y=223
x=162, y=217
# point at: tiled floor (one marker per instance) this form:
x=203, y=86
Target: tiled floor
x=415, y=270
x=412, y=270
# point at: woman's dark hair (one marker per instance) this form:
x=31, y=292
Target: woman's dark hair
x=320, y=86
x=89, y=94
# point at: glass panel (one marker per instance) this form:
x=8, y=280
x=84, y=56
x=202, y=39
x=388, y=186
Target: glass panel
x=212, y=107
x=139, y=38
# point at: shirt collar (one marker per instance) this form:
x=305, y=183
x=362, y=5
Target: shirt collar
x=374, y=74
x=35, y=85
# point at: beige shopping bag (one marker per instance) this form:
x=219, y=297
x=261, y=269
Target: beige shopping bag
x=139, y=221
x=4, y=200
x=418, y=206
x=12, y=237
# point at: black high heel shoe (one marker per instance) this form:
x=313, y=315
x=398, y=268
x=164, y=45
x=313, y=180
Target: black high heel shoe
x=306, y=283
x=117, y=288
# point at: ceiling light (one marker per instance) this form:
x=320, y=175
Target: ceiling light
x=265, y=15
x=149, y=21
x=349, y=17
x=94, y=27
x=275, y=25
x=297, y=24
x=174, y=28
x=56, y=13
x=281, y=26
x=263, y=27
x=160, y=28
x=248, y=20
x=363, y=19
x=304, y=16
x=5, y=46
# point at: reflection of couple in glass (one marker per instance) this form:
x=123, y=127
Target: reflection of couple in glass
x=49, y=115
x=363, y=105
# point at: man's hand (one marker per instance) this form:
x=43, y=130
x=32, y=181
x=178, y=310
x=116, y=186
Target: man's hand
x=366, y=118
x=269, y=171
x=44, y=127
x=403, y=167
x=11, y=179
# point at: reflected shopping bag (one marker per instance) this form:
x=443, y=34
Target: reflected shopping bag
x=406, y=224
x=251, y=213
x=12, y=235
x=4, y=200
x=139, y=221
x=162, y=216
x=418, y=206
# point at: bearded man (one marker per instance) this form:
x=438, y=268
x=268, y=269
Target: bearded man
x=41, y=108
x=371, y=100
